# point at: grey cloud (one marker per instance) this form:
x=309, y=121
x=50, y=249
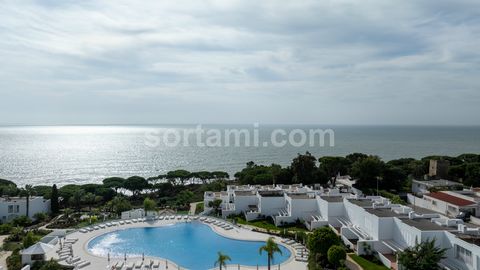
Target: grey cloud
x=268, y=61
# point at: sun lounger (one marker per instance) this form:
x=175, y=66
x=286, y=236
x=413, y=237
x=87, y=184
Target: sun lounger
x=74, y=260
x=102, y=226
x=64, y=257
x=134, y=220
x=156, y=265
x=128, y=221
x=108, y=224
x=83, y=264
x=121, y=222
x=83, y=230
x=119, y=266
x=130, y=266
x=96, y=228
x=138, y=264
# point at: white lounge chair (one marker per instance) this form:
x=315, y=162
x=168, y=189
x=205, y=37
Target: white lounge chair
x=119, y=265
x=129, y=266
x=83, y=264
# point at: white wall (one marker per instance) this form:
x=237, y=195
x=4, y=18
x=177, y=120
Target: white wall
x=270, y=206
x=242, y=203
x=36, y=205
x=303, y=208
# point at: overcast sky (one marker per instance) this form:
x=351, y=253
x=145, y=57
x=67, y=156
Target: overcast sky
x=321, y=62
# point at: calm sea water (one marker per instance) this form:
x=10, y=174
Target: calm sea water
x=85, y=154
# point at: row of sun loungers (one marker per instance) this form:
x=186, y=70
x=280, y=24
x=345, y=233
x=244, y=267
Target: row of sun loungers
x=301, y=252
x=217, y=223
x=136, y=265
x=136, y=220
x=65, y=254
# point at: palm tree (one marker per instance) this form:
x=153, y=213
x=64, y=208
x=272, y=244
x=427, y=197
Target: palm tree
x=222, y=260
x=27, y=192
x=423, y=256
x=270, y=248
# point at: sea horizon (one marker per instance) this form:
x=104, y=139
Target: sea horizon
x=77, y=154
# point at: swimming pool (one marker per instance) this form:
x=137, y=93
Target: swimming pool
x=192, y=245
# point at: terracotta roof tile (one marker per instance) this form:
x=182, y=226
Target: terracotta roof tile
x=450, y=199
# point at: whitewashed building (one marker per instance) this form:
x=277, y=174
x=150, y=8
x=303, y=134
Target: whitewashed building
x=367, y=224
x=134, y=213
x=12, y=207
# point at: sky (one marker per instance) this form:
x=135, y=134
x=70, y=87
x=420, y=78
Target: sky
x=229, y=62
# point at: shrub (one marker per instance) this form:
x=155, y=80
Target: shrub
x=40, y=217
x=336, y=254
x=5, y=228
x=14, y=261
x=321, y=240
x=30, y=239
x=21, y=221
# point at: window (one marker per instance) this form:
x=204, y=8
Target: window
x=10, y=209
x=463, y=255
x=17, y=208
x=452, y=209
x=434, y=202
x=37, y=257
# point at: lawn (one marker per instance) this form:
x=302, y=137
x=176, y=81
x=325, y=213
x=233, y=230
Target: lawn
x=366, y=264
x=263, y=224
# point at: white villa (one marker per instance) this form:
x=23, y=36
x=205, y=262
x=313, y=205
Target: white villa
x=12, y=207
x=366, y=224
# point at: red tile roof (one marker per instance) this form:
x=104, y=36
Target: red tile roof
x=450, y=199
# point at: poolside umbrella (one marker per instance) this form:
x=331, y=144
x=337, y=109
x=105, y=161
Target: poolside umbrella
x=166, y=264
x=125, y=256
x=143, y=256
x=108, y=257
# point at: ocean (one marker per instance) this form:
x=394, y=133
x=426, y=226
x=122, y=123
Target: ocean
x=43, y=155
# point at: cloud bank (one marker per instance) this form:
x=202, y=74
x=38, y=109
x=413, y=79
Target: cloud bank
x=326, y=62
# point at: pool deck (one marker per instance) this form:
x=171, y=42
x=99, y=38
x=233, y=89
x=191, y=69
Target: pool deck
x=79, y=248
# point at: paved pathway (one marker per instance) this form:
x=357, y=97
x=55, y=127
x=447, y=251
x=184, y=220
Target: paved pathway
x=4, y=254
x=193, y=208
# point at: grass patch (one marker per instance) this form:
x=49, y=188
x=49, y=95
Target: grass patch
x=366, y=264
x=264, y=224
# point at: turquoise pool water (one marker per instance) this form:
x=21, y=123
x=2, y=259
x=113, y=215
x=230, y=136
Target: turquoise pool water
x=191, y=245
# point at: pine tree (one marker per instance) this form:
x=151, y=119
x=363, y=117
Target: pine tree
x=54, y=200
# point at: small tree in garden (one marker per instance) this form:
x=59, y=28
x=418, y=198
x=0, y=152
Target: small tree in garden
x=149, y=204
x=336, y=254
